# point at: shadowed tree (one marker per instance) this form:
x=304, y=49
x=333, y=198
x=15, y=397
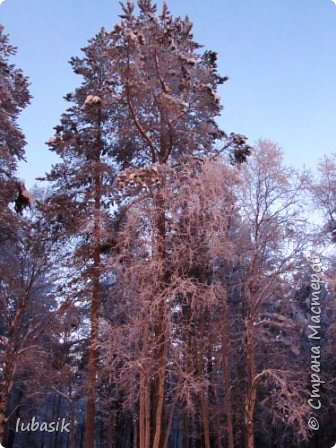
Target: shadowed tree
x=14, y=96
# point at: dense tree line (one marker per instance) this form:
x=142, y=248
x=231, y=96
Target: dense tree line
x=157, y=292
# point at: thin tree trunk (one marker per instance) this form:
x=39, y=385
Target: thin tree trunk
x=252, y=390
x=135, y=433
x=93, y=356
x=144, y=414
x=218, y=428
x=205, y=420
x=251, y=398
x=144, y=399
x=227, y=381
x=159, y=416
x=170, y=422
x=160, y=337
x=11, y=437
x=10, y=363
x=142, y=418
x=5, y=392
x=185, y=431
x=72, y=434
x=56, y=418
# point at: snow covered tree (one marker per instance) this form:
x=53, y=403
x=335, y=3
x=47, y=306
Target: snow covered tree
x=272, y=237
x=166, y=89
x=149, y=99
x=323, y=191
x=166, y=102
x=27, y=303
x=199, y=205
x=79, y=201
x=14, y=96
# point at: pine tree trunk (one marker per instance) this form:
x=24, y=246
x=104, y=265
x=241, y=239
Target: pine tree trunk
x=93, y=355
x=95, y=305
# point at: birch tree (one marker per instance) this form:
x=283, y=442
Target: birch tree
x=198, y=203
x=273, y=234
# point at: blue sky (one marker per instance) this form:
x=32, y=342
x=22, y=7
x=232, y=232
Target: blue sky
x=280, y=56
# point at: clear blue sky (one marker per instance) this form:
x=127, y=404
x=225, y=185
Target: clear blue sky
x=280, y=56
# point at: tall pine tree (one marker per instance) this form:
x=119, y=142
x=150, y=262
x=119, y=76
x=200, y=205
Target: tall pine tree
x=166, y=103
x=79, y=203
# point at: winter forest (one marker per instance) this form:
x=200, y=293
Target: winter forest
x=168, y=283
